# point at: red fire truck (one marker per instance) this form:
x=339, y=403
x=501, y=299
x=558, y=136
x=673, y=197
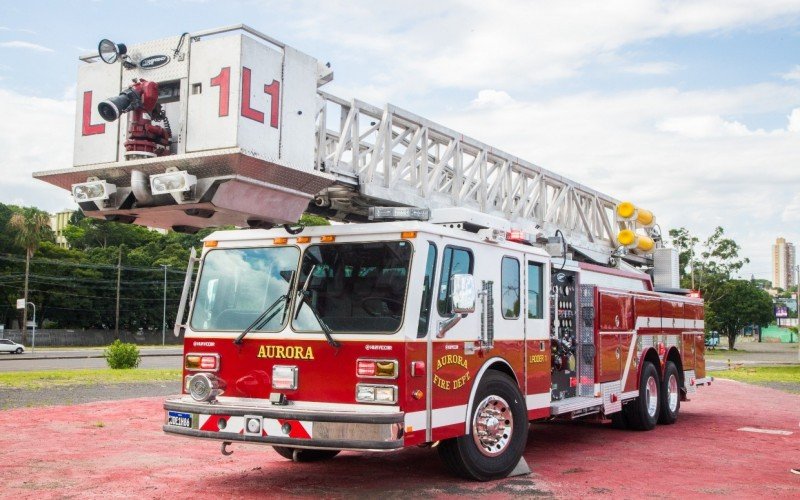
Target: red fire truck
x=480, y=293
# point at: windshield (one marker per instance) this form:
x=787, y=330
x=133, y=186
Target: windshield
x=354, y=287
x=237, y=285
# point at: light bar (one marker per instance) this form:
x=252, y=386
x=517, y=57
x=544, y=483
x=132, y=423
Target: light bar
x=96, y=190
x=172, y=182
x=399, y=213
x=519, y=236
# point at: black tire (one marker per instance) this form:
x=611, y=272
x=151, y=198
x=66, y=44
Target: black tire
x=670, y=395
x=642, y=413
x=304, y=455
x=19, y=350
x=490, y=457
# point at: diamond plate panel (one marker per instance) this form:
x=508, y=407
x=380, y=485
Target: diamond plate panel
x=688, y=377
x=608, y=390
x=586, y=347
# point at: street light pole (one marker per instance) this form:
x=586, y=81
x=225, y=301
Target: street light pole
x=164, y=313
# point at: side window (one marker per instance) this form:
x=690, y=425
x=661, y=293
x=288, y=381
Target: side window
x=535, y=291
x=454, y=261
x=427, y=292
x=509, y=284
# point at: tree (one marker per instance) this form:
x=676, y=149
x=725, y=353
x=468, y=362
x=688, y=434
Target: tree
x=31, y=227
x=710, y=268
x=738, y=303
x=715, y=262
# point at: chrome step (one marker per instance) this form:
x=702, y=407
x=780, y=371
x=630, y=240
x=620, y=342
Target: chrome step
x=569, y=405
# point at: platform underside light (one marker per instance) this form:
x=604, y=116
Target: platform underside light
x=92, y=191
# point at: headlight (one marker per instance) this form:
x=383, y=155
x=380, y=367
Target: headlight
x=381, y=394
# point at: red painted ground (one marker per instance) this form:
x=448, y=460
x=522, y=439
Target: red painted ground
x=117, y=449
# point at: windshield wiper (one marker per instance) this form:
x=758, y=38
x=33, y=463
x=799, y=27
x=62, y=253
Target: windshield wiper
x=261, y=317
x=304, y=300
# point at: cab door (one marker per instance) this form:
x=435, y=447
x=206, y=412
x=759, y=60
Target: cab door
x=454, y=356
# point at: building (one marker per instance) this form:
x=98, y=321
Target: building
x=58, y=221
x=783, y=262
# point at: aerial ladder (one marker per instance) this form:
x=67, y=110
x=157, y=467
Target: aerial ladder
x=230, y=127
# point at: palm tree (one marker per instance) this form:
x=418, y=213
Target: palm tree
x=31, y=227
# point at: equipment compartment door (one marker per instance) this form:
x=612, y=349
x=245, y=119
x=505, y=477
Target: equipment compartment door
x=537, y=339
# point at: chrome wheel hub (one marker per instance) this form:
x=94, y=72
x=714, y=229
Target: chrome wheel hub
x=672, y=393
x=651, y=396
x=492, y=426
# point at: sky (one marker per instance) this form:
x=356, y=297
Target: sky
x=688, y=108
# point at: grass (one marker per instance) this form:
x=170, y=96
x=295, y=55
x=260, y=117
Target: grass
x=724, y=353
x=788, y=376
x=63, y=378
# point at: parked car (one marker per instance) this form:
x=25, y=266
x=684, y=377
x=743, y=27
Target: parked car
x=11, y=347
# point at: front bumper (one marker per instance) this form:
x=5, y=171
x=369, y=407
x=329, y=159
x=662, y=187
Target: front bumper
x=284, y=425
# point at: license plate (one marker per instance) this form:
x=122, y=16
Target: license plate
x=179, y=419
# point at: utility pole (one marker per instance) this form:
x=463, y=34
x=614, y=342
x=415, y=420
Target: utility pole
x=164, y=313
x=24, y=327
x=119, y=275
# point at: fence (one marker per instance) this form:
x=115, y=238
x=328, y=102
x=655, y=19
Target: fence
x=90, y=338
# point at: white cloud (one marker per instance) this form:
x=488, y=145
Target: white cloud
x=793, y=74
x=697, y=171
x=651, y=68
x=18, y=44
x=510, y=44
x=491, y=98
x=35, y=135
x=791, y=213
x=698, y=127
x=794, y=121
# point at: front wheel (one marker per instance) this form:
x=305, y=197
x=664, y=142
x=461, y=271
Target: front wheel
x=670, y=395
x=642, y=413
x=498, y=432
x=19, y=350
x=304, y=455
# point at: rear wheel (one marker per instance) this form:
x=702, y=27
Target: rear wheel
x=670, y=395
x=304, y=455
x=19, y=350
x=498, y=432
x=642, y=413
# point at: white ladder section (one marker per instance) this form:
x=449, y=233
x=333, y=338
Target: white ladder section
x=395, y=157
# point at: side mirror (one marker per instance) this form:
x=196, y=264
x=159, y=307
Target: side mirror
x=462, y=294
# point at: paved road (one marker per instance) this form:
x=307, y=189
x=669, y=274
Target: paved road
x=50, y=359
x=752, y=353
x=117, y=449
